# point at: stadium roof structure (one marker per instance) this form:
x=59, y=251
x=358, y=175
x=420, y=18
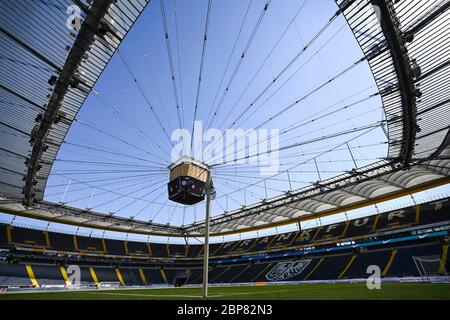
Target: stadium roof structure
x=407, y=45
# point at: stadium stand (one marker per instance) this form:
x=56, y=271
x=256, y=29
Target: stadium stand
x=354, y=229
x=404, y=263
x=194, y=250
x=14, y=275
x=28, y=237
x=245, y=245
x=89, y=244
x=407, y=242
x=3, y=235
x=153, y=275
x=105, y=274
x=171, y=273
x=331, y=267
x=223, y=248
x=360, y=226
x=359, y=266
x=346, y=265
x=159, y=250
x=63, y=242
x=115, y=247
x=176, y=250
x=252, y=273
x=128, y=276
x=89, y=275
x=138, y=248
x=48, y=275
x=432, y=212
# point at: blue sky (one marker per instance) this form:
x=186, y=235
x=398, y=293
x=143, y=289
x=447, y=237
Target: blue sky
x=126, y=177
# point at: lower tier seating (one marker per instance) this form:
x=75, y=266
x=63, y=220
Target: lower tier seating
x=399, y=261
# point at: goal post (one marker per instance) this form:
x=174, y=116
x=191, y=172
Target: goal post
x=429, y=266
x=109, y=285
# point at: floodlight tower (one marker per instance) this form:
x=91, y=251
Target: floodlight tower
x=190, y=182
x=206, y=245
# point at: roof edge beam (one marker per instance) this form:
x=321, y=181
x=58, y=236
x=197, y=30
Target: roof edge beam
x=82, y=42
x=402, y=64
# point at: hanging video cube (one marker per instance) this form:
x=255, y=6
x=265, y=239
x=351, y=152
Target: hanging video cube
x=187, y=181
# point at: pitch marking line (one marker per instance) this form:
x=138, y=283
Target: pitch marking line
x=150, y=295
x=117, y=291
x=211, y=296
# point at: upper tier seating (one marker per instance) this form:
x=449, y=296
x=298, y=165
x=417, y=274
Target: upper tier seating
x=116, y=247
x=89, y=244
x=177, y=250
x=63, y=242
x=194, y=250
x=28, y=237
x=159, y=250
x=3, y=236
x=433, y=212
x=139, y=248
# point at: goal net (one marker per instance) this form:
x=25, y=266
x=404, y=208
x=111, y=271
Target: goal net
x=429, y=266
x=108, y=285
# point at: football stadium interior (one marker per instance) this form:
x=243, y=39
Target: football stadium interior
x=94, y=205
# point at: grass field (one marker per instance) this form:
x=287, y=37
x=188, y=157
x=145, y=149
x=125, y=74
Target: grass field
x=389, y=291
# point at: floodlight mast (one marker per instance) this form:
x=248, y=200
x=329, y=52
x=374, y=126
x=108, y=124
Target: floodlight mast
x=206, y=244
x=190, y=182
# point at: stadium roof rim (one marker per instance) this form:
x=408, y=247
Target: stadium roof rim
x=410, y=77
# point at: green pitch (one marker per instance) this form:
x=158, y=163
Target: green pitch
x=285, y=292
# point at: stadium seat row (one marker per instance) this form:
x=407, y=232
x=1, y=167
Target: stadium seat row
x=423, y=214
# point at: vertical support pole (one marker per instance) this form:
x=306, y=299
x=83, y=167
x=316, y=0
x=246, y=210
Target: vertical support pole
x=111, y=211
x=317, y=169
x=90, y=200
x=383, y=124
x=206, y=245
x=413, y=199
x=265, y=189
x=65, y=191
x=351, y=154
x=376, y=207
x=289, y=178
